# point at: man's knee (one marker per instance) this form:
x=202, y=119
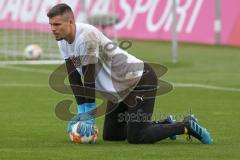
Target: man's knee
x=133, y=140
x=112, y=137
x=139, y=137
x=114, y=132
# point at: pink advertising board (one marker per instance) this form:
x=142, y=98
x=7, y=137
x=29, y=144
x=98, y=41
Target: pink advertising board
x=139, y=19
x=153, y=20
x=230, y=22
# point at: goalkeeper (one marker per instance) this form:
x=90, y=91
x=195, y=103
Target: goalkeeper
x=93, y=61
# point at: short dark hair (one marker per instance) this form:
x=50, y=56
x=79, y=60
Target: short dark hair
x=59, y=10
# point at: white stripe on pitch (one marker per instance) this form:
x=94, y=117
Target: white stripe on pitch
x=23, y=85
x=26, y=69
x=38, y=62
x=204, y=86
x=175, y=84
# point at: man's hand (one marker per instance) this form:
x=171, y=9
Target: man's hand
x=87, y=126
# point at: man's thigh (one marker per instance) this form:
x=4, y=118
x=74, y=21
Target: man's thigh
x=114, y=124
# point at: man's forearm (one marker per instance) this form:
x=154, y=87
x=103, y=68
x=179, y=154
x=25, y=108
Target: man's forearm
x=74, y=80
x=89, y=82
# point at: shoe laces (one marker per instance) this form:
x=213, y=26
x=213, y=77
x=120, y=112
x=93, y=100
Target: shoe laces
x=189, y=138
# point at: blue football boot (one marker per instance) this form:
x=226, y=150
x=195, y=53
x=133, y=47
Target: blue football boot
x=194, y=129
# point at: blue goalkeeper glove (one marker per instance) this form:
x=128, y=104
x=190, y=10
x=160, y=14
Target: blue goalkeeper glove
x=87, y=126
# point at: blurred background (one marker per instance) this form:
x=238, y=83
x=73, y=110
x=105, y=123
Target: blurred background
x=24, y=22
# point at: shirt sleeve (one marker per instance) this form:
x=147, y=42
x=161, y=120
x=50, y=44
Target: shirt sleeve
x=75, y=80
x=88, y=48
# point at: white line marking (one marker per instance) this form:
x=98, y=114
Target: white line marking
x=175, y=84
x=23, y=85
x=32, y=62
x=25, y=69
x=204, y=86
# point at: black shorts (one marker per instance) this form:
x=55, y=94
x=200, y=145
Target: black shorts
x=131, y=116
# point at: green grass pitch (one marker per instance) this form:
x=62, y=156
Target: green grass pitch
x=29, y=128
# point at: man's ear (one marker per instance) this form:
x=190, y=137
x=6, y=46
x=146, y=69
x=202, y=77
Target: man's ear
x=71, y=21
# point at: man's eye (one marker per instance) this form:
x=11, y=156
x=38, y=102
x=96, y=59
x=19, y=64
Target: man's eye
x=56, y=24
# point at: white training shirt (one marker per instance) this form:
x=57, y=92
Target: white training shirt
x=117, y=72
